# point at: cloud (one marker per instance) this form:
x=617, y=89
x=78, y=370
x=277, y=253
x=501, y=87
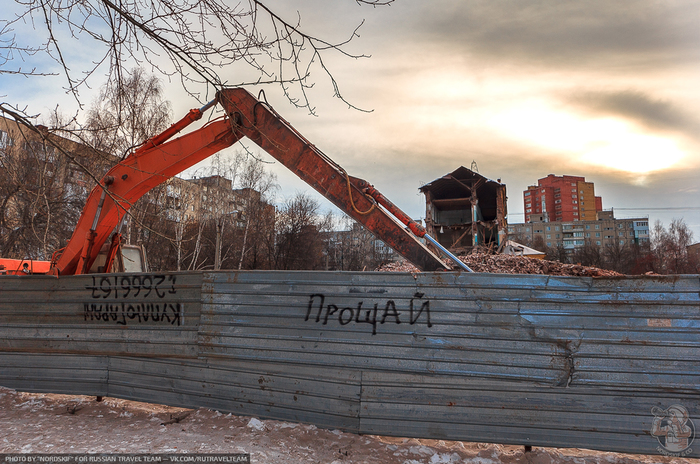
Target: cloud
x=577, y=34
x=639, y=107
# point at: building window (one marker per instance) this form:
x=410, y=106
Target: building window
x=597, y=234
x=597, y=226
x=549, y=228
x=5, y=140
x=527, y=194
x=597, y=242
x=556, y=228
x=549, y=235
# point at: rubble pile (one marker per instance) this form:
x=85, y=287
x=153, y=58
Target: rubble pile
x=506, y=264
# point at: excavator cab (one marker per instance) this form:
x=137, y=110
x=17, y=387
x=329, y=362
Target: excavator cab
x=129, y=258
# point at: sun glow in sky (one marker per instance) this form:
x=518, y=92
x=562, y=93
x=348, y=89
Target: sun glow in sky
x=607, y=142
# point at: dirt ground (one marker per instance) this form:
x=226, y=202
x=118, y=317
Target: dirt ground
x=48, y=423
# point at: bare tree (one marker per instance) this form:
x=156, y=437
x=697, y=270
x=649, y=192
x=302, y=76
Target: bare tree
x=351, y=247
x=670, y=247
x=218, y=203
x=191, y=40
x=589, y=254
x=299, y=241
x=39, y=202
x=256, y=189
x=12, y=53
x=127, y=114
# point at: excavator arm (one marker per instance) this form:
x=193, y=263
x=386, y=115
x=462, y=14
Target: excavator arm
x=261, y=124
x=128, y=181
x=158, y=159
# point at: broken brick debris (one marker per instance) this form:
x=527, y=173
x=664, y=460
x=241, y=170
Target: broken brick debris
x=504, y=264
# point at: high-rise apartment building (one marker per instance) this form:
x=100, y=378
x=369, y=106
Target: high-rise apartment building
x=602, y=232
x=561, y=198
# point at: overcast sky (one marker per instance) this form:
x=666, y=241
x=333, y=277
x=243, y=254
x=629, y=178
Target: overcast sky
x=605, y=90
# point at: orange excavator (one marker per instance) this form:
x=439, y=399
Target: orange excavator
x=163, y=156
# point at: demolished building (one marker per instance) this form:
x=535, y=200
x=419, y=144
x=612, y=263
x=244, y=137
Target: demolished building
x=465, y=210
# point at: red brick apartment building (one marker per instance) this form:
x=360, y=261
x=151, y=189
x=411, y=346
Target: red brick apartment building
x=561, y=198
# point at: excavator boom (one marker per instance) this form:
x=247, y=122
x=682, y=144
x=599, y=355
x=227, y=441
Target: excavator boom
x=128, y=181
x=261, y=124
x=158, y=159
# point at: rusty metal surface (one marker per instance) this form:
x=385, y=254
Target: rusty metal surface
x=518, y=359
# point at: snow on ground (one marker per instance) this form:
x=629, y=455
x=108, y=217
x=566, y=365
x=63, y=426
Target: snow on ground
x=49, y=423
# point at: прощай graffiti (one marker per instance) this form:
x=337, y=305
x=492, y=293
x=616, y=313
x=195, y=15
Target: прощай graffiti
x=388, y=314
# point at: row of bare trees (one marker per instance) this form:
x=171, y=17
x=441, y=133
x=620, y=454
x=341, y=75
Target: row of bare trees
x=665, y=253
x=235, y=226
x=190, y=42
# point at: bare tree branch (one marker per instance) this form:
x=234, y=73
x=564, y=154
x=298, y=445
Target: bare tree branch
x=196, y=41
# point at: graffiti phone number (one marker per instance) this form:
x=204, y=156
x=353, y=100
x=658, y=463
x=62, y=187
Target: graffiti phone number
x=132, y=286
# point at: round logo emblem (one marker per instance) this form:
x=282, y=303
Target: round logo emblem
x=673, y=429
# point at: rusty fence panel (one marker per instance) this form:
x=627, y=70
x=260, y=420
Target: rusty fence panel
x=516, y=359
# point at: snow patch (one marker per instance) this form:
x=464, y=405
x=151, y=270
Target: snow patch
x=255, y=424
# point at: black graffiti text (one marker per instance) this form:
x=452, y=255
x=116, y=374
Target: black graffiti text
x=134, y=313
x=133, y=286
x=376, y=313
